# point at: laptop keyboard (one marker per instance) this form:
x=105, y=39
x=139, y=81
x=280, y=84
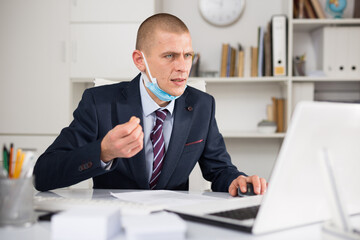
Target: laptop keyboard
x=239, y=214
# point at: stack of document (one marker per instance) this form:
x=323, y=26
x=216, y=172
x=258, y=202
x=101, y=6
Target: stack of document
x=155, y=226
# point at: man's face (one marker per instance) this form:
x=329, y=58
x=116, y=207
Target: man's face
x=170, y=59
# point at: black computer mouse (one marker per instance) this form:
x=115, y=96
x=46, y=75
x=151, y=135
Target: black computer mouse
x=249, y=191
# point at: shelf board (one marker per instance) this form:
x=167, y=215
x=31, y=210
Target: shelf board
x=207, y=79
x=309, y=25
x=325, y=79
x=242, y=79
x=91, y=80
x=241, y=134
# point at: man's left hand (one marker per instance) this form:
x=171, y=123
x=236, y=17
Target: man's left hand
x=259, y=184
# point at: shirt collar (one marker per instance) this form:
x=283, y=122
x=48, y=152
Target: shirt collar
x=148, y=104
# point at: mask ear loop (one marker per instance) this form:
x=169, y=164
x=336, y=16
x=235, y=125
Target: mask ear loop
x=147, y=68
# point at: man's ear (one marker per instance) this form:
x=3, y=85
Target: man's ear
x=138, y=60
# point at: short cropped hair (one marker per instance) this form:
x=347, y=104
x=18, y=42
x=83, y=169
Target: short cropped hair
x=161, y=21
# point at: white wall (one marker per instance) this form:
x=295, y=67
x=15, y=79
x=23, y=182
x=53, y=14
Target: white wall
x=207, y=39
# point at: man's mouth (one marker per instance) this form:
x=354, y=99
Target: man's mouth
x=178, y=79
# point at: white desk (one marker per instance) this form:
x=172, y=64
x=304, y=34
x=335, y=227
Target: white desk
x=41, y=230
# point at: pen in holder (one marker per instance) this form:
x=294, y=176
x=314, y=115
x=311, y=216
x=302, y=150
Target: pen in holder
x=16, y=188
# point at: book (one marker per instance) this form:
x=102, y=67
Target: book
x=254, y=62
x=356, y=9
x=319, y=10
x=240, y=62
x=309, y=10
x=224, y=57
x=295, y=9
x=267, y=51
x=232, y=62
x=260, y=51
x=274, y=108
x=194, y=71
x=301, y=4
x=278, y=108
x=247, y=61
x=280, y=114
x=228, y=61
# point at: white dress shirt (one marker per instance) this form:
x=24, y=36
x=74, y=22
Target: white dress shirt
x=149, y=106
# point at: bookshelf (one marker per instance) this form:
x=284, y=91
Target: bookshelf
x=303, y=39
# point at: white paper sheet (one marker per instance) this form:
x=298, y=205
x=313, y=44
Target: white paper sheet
x=164, y=198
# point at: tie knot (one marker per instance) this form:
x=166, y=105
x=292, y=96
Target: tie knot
x=161, y=114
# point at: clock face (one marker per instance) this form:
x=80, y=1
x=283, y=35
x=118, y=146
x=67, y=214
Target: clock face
x=221, y=12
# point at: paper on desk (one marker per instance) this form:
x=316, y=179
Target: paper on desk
x=164, y=198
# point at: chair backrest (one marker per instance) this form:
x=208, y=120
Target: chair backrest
x=196, y=180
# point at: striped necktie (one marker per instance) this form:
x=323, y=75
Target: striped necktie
x=157, y=139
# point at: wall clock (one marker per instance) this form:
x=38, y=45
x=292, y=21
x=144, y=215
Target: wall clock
x=221, y=12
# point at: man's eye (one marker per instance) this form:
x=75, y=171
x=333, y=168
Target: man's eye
x=169, y=56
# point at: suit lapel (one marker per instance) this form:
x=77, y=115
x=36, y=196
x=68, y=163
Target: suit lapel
x=180, y=132
x=130, y=105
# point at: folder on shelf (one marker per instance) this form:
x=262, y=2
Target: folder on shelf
x=279, y=44
x=353, y=60
x=338, y=50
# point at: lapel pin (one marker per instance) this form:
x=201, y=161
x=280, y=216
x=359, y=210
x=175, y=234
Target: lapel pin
x=190, y=108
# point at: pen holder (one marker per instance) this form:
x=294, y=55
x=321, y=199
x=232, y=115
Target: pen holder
x=16, y=202
x=299, y=67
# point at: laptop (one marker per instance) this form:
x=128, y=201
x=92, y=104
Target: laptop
x=296, y=194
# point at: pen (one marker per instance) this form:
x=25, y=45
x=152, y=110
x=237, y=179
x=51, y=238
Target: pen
x=5, y=159
x=18, y=163
x=28, y=164
x=10, y=160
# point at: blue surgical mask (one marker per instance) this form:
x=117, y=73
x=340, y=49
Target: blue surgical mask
x=153, y=86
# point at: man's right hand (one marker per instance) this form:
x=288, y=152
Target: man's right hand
x=124, y=140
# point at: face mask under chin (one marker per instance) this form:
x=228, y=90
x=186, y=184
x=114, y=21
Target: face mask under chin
x=153, y=86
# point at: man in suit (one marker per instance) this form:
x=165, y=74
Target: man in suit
x=111, y=138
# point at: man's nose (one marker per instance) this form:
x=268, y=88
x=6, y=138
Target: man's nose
x=181, y=64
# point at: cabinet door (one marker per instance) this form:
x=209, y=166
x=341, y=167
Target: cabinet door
x=111, y=10
x=103, y=50
x=34, y=85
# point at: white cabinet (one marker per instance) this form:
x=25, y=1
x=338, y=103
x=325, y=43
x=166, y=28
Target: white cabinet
x=124, y=11
x=103, y=50
x=103, y=36
x=34, y=73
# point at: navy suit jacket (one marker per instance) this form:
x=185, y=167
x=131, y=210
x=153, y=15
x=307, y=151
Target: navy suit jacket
x=75, y=154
